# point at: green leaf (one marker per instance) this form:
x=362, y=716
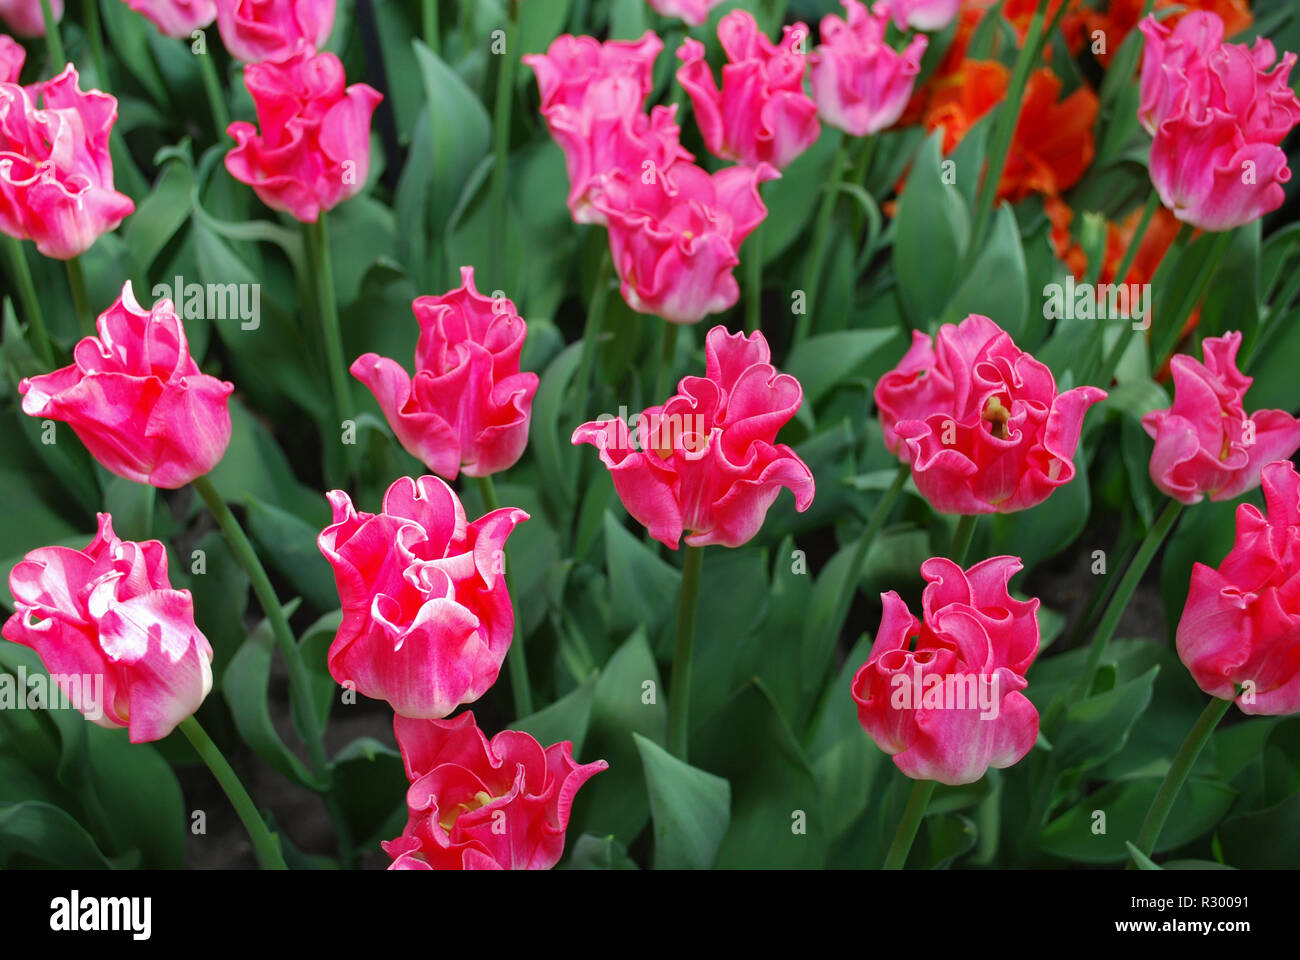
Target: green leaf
x=461, y=130
x=1097, y=727
x=566, y=719
x=932, y=233
x=123, y=772
x=290, y=544
x=823, y=361
x=1142, y=861
x=550, y=443
x=599, y=853
x=777, y=816
x=645, y=585
x=1006, y=298
x=46, y=833
x=160, y=215
x=691, y=809
x=370, y=784
x=1043, y=531
x=1268, y=839
x=244, y=686
x=615, y=802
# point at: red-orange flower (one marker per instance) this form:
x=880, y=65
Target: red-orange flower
x=1121, y=16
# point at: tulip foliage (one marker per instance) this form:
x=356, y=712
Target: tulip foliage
x=516, y=434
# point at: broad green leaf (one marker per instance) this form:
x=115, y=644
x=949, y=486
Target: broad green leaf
x=691, y=809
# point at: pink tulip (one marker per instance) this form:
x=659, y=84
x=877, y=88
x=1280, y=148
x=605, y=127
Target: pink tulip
x=1241, y=625
x=571, y=65
x=56, y=175
x=314, y=149
x=24, y=16
x=920, y=14
x=1218, y=116
x=705, y=462
x=468, y=405
x=12, y=57
x=592, y=97
x=761, y=114
x=676, y=239
x=694, y=12
x=942, y=695
x=860, y=83
x=117, y=639
x=427, y=620
x=273, y=30
x=136, y=398
x=176, y=18
x=480, y=805
x=1204, y=442
x=980, y=421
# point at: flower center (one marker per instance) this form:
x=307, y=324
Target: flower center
x=480, y=799
x=996, y=416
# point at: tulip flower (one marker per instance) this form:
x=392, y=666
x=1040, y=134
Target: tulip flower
x=694, y=12
x=980, y=421
x=273, y=30
x=921, y=14
x=176, y=18
x=476, y=804
x=12, y=57
x=24, y=16
x=115, y=636
x=56, y=175
x=136, y=398
x=427, y=618
x=571, y=65
x=468, y=406
x=675, y=240
x=761, y=114
x=1240, y=628
x=859, y=82
x=1205, y=443
x=942, y=695
x=313, y=151
x=1218, y=112
x=706, y=463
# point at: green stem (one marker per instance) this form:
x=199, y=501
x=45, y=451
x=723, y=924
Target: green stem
x=679, y=703
x=519, y=687
x=246, y=556
x=318, y=246
x=821, y=235
x=215, y=93
x=501, y=148
x=53, y=44
x=265, y=845
x=754, y=280
x=1123, y=593
x=961, y=538
x=22, y=277
x=150, y=498
x=80, y=299
x=1178, y=771
x=911, y=822
x=1187, y=302
x=1003, y=133
x=591, y=331
x=429, y=9
x=96, y=35
x=877, y=520
x=667, y=353
x=1116, y=351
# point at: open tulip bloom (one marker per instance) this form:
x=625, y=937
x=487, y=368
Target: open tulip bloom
x=949, y=501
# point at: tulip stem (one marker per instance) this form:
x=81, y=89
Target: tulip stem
x=519, y=687
x=821, y=234
x=754, y=281
x=216, y=94
x=501, y=149
x=96, y=34
x=1123, y=593
x=961, y=538
x=679, y=702
x=318, y=246
x=863, y=547
x=1116, y=351
x=265, y=844
x=591, y=331
x=1168, y=341
x=1178, y=771
x=667, y=353
x=911, y=822
x=80, y=299
x=429, y=8
x=53, y=44
x=1004, y=132
x=22, y=277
